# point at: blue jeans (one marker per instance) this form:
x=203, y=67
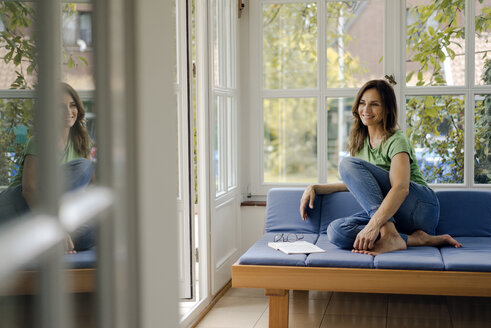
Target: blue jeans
x=77, y=174
x=369, y=184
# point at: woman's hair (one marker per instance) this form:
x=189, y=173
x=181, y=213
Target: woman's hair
x=359, y=131
x=78, y=132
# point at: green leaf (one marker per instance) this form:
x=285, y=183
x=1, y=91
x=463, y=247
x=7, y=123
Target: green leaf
x=429, y=101
x=18, y=59
x=441, y=55
x=84, y=60
x=409, y=76
x=70, y=63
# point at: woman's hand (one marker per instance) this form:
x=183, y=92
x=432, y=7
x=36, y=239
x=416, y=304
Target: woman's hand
x=307, y=197
x=320, y=189
x=69, y=246
x=366, y=238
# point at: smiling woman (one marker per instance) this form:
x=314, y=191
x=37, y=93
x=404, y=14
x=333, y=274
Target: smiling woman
x=399, y=209
x=73, y=145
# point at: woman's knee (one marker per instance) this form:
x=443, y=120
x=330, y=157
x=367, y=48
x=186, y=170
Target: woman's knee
x=79, y=173
x=348, y=164
x=84, y=237
x=337, y=234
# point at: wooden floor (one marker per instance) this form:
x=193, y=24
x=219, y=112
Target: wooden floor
x=248, y=308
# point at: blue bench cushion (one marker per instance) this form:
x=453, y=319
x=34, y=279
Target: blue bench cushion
x=261, y=254
x=335, y=206
x=474, y=255
x=465, y=213
x=338, y=258
x=81, y=260
x=413, y=258
x=283, y=212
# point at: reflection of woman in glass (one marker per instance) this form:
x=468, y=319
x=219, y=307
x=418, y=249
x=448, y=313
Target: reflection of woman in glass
x=73, y=144
x=399, y=209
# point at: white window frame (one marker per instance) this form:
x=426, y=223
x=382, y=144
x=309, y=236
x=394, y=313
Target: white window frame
x=393, y=48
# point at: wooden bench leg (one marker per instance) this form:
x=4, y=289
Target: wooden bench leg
x=278, y=307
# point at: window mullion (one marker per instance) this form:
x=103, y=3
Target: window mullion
x=322, y=124
x=53, y=306
x=469, y=42
x=469, y=99
x=394, y=50
x=469, y=139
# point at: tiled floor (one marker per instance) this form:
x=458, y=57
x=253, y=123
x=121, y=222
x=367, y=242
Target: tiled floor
x=248, y=308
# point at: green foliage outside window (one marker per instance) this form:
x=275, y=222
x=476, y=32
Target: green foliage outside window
x=290, y=61
x=290, y=140
x=436, y=123
x=482, y=138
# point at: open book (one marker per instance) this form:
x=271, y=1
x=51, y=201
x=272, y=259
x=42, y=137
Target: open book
x=297, y=247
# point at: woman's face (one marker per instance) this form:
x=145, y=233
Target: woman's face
x=69, y=110
x=370, y=108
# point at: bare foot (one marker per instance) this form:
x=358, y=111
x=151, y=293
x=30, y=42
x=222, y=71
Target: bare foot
x=386, y=243
x=421, y=238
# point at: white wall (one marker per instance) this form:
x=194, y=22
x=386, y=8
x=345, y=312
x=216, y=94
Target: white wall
x=252, y=217
x=244, y=104
x=252, y=227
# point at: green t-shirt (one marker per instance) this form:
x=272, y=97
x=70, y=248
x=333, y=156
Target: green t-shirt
x=68, y=155
x=383, y=153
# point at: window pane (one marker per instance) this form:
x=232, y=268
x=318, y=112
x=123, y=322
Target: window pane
x=482, y=43
x=290, y=45
x=218, y=153
x=16, y=127
x=435, y=47
x=290, y=140
x=78, y=54
x=231, y=144
x=435, y=127
x=223, y=43
x=18, y=67
x=354, y=42
x=482, y=140
x=338, y=126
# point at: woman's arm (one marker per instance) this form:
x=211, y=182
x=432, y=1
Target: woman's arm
x=92, y=180
x=310, y=192
x=29, y=180
x=399, y=174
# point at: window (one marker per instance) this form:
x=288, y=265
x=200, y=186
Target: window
x=30, y=106
x=449, y=127
x=19, y=76
x=313, y=55
x=77, y=29
x=224, y=96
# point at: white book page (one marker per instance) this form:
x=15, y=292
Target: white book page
x=297, y=247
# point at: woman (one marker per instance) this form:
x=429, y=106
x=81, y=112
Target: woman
x=399, y=209
x=74, y=147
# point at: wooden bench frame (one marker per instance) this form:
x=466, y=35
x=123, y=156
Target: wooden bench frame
x=78, y=281
x=279, y=280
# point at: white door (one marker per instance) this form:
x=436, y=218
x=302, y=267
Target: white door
x=224, y=189
x=185, y=192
